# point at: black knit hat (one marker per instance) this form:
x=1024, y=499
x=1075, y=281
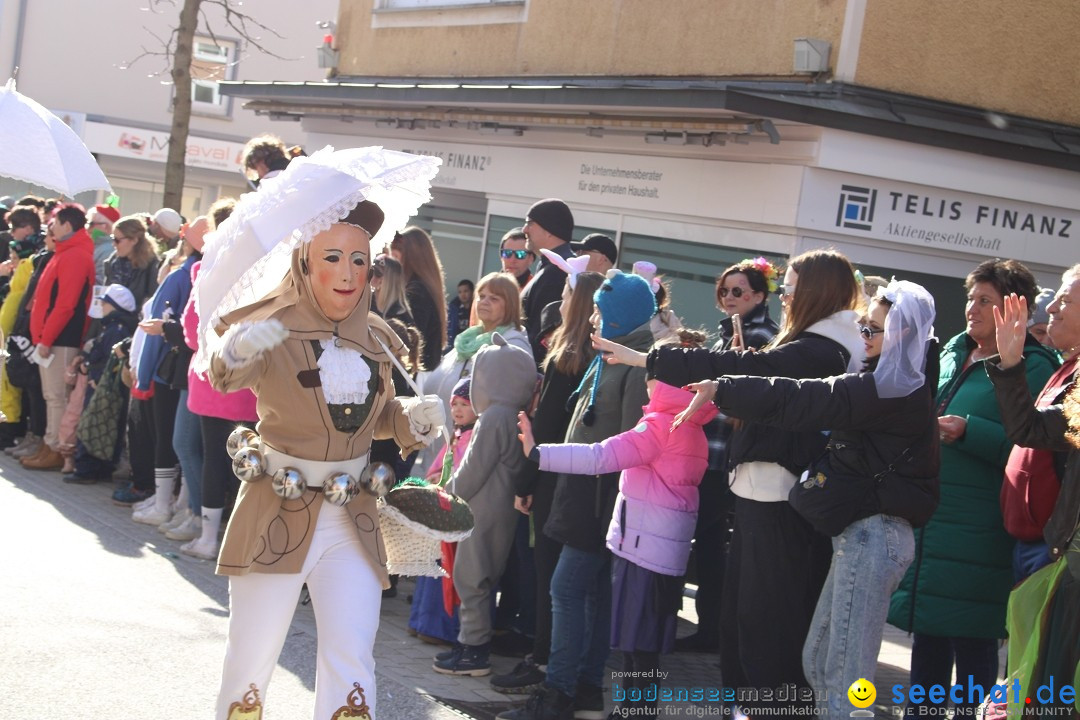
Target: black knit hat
x=554, y=216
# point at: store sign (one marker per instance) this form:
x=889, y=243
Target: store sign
x=937, y=218
x=750, y=192
x=120, y=141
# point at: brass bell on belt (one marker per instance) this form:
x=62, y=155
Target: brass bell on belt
x=289, y=483
x=248, y=464
x=340, y=488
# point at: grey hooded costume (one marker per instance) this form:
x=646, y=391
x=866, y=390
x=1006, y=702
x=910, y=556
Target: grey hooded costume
x=503, y=380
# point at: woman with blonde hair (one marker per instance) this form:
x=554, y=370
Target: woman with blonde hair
x=388, y=286
x=497, y=306
x=425, y=289
x=134, y=261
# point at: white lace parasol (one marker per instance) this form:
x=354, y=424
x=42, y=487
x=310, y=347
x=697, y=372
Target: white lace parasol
x=250, y=253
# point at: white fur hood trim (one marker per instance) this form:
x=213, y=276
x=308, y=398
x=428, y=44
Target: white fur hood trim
x=843, y=327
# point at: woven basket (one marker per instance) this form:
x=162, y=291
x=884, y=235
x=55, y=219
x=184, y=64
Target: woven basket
x=414, y=521
x=408, y=552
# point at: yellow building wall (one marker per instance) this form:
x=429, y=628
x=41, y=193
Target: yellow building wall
x=1015, y=57
x=722, y=38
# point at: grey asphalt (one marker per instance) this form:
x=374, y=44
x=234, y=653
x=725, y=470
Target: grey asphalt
x=104, y=619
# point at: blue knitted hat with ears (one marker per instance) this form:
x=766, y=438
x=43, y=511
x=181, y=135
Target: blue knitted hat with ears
x=626, y=303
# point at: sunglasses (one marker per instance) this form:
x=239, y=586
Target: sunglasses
x=787, y=290
x=868, y=332
x=117, y=238
x=519, y=254
x=736, y=292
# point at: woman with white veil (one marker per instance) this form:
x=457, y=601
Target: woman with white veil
x=884, y=440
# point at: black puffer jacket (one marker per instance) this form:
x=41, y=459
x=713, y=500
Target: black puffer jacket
x=1042, y=429
x=809, y=355
x=868, y=433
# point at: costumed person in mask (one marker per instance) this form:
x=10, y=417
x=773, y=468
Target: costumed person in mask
x=877, y=479
x=320, y=366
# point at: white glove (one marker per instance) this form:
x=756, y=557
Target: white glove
x=426, y=417
x=245, y=342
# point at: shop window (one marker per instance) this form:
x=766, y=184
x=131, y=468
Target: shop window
x=212, y=61
x=690, y=270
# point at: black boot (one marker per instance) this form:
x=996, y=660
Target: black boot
x=547, y=703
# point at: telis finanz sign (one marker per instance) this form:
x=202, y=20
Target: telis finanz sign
x=937, y=218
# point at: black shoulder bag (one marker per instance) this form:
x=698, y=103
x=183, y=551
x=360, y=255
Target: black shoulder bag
x=831, y=500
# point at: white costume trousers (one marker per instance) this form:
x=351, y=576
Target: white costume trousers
x=345, y=594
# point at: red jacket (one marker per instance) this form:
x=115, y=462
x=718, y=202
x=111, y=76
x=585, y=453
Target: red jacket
x=63, y=294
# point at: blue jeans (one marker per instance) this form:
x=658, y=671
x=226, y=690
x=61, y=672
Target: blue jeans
x=187, y=443
x=580, y=619
x=869, y=560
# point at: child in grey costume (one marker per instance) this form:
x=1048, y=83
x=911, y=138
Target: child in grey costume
x=503, y=382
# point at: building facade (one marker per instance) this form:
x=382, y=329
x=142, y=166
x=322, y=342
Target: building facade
x=919, y=138
x=76, y=60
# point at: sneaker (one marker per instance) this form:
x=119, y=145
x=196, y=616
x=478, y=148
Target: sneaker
x=456, y=649
x=143, y=504
x=174, y=520
x=547, y=703
x=204, y=551
x=589, y=702
x=187, y=530
x=21, y=444
x=127, y=495
x=32, y=446
x=524, y=679
x=469, y=660
x=150, y=516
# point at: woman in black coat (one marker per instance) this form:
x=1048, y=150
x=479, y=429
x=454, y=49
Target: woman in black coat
x=877, y=479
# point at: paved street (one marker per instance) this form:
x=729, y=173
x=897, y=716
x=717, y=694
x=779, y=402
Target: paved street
x=104, y=619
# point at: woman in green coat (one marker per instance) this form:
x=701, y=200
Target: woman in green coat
x=954, y=595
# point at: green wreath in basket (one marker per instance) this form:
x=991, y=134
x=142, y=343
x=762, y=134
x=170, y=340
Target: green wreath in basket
x=416, y=517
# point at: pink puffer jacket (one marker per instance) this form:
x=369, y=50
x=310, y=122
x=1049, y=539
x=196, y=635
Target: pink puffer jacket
x=656, y=510
x=203, y=399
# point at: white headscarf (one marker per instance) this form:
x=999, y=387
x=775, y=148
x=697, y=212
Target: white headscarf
x=909, y=328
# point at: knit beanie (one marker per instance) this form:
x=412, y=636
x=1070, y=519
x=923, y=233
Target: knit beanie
x=626, y=303
x=461, y=390
x=554, y=216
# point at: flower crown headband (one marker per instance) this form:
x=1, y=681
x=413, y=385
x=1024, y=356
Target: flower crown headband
x=767, y=269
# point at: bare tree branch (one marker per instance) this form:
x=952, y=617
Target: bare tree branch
x=239, y=22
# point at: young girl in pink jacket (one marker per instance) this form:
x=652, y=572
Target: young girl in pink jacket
x=651, y=528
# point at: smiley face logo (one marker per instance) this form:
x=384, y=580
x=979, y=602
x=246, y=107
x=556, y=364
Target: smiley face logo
x=862, y=693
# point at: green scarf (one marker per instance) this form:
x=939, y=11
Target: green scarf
x=470, y=340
